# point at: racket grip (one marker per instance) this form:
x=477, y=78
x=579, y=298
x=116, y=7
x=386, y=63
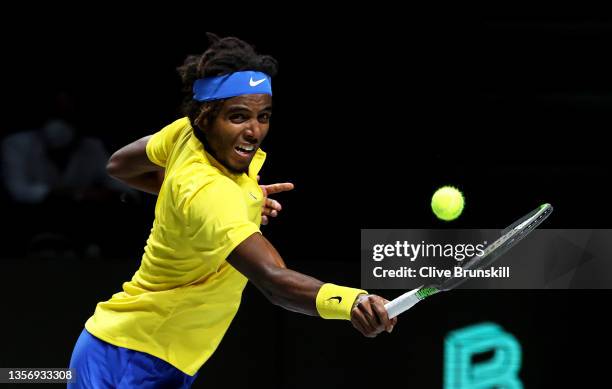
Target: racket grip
x=402, y=303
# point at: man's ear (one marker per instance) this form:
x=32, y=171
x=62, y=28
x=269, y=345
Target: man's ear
x=201, y=120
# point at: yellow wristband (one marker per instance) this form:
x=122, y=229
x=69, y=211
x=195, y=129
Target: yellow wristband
x=336, y=302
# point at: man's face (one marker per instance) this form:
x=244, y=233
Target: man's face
x=238, y=130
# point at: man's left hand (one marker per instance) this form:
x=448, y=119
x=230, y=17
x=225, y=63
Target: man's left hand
x=271, y=207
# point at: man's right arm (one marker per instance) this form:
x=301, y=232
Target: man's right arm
x=132, y=166
x=259, y=261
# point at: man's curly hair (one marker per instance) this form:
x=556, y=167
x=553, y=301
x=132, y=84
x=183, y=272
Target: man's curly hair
x=224, y=56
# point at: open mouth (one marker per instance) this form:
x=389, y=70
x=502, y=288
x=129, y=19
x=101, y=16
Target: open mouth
x=245, y=150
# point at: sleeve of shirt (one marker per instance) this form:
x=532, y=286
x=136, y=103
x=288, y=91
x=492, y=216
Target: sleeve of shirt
x=161, y=143
x=218, y=220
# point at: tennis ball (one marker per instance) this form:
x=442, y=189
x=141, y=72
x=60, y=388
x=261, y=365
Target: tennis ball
x=447, y=203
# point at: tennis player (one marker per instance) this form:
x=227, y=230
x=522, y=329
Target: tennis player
x=205, y=243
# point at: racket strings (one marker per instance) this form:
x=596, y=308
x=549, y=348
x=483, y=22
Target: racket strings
x=500, y=246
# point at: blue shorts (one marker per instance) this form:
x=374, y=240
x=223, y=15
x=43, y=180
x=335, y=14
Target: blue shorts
x=101, y=365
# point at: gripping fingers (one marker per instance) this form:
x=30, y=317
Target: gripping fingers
x=374, y=317
x=361, y=323
x=382, y=314
x=375, y=312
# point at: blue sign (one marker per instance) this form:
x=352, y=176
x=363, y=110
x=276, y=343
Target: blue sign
x=461, y=371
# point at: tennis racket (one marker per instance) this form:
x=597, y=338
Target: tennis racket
x=509, y=237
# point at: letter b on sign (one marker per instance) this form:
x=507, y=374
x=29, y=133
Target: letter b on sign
x=499, y=371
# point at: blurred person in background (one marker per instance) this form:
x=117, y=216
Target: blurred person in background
x=55, y=162
x=57, y=179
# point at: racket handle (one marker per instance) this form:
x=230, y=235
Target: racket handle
x=402, y=303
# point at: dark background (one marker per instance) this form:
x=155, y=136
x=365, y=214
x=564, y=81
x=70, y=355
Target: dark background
x=368, y=122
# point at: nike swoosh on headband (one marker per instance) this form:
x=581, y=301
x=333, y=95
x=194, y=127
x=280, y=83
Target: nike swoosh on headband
x=255, y=83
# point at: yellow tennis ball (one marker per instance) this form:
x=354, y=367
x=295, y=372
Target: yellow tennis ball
x=447, y=203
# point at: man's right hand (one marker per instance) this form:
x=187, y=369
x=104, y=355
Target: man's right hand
x=369, y=315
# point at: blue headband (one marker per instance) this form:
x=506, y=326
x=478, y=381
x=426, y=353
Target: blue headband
x=230, y=85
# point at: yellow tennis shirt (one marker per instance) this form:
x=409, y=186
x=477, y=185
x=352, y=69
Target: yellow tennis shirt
x=184, y=296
